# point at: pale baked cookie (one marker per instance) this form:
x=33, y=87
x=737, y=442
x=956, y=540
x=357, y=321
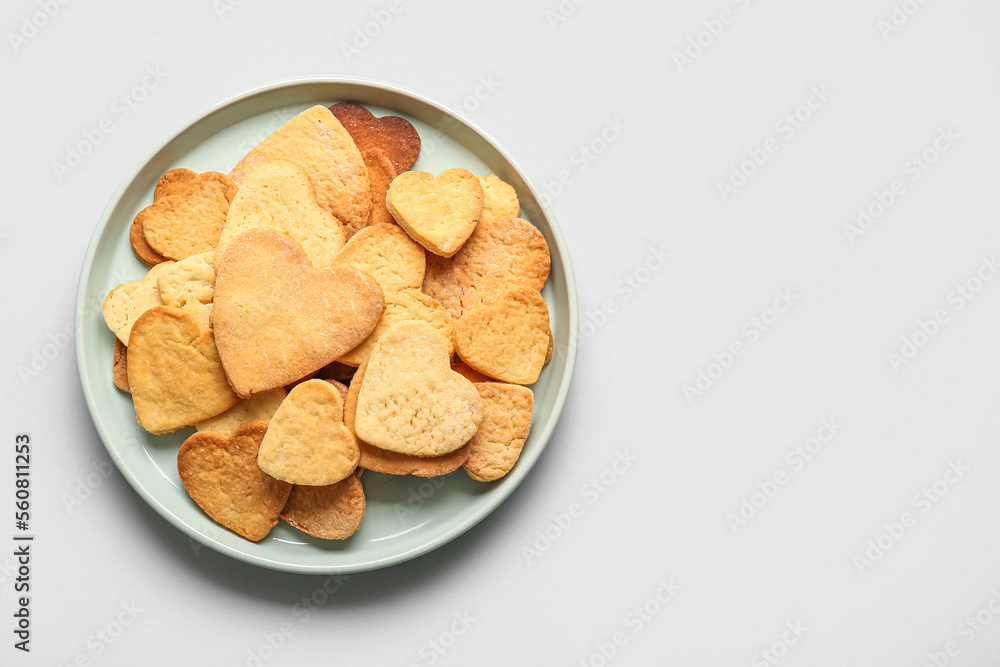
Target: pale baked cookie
x=394, y=136
x=438, y=212
x=279, y=196
x=277, y=319
x=393, y=463
x=380, y=175
x=120, y=366
x=410, y=401
x=316, y=141
x=174, y=371
x=401, y=306
x=331, y=512
x=307, y=442
x=190, y=285
x=128, y=301
x=499, y=254
x=496, y=446
x=262, y=406
x=221, y=475
x=506, y=340
x=499, y=199
x=187, y=213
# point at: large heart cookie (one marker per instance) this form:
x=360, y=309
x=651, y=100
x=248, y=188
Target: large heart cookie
x=174, y=371
x=221, y=475
x=277, y=319
x=279, y=196
x=438, y=212
x=410, y=401
x=316, y=141
x=507, y=340
x=307, y=442
x=392, y=135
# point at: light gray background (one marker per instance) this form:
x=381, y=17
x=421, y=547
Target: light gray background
x=823, y=573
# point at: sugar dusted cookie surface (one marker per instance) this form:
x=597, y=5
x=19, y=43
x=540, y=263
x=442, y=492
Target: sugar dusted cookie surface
x=307, y=442
x=220, y=473
x=410, y=401
x=316, y=141
x=277, y=319
x=174, y=372
x=507, y=340
x=438, y=212
x=279, y=196
x=394, y=136
x=496, y=446
x=499, y=254
x=262, y=406
x=331, y=512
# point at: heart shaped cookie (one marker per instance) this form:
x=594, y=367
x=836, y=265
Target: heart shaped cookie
x=508, y=339
x=277, y=319
x=174, y=371
x=410, y=401
x=394, y=463
x=221, y=475
x=438, y=212
x=307, y=442
x=187, y=213
x=316, y=141
x=331, y=512
x=392, y=135
x=496, y=446
x=279, y=196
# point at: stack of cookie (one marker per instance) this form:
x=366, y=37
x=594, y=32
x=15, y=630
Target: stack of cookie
x=323, y=310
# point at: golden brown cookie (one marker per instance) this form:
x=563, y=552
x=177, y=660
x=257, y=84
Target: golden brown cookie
x=500, y=254
x=307, y=442
x=279, y=196
x=262, y=406
x=331, y=512
x=393, y=463
x=316, y=141
x=277, y=319
x=221, y=475
x=137, y=237
x=506, y=340
x=438, y=212
x=496, y=446
x=187, y=213
x=120, y=366
x=394, y=136
x=174, y=371
x=410, y=401
x=380, y=175
x=499, y=199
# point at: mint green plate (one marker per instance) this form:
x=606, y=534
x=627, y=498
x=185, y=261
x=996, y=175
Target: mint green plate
x=405, y=516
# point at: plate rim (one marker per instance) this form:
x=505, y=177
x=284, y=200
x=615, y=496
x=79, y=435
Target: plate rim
x=499, y=496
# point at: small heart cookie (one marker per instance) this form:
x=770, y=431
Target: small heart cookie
x=331, y=512
x=307, y=442
x=393, y=463
x=174, y=371
x=277, y=319
x=506, y=340
x=438, y=212
x=410, y=401
x=496, y=446
x=221, y=475
x=279, y=196
x=187, y=213
x=316, y=141
x=394, y=136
